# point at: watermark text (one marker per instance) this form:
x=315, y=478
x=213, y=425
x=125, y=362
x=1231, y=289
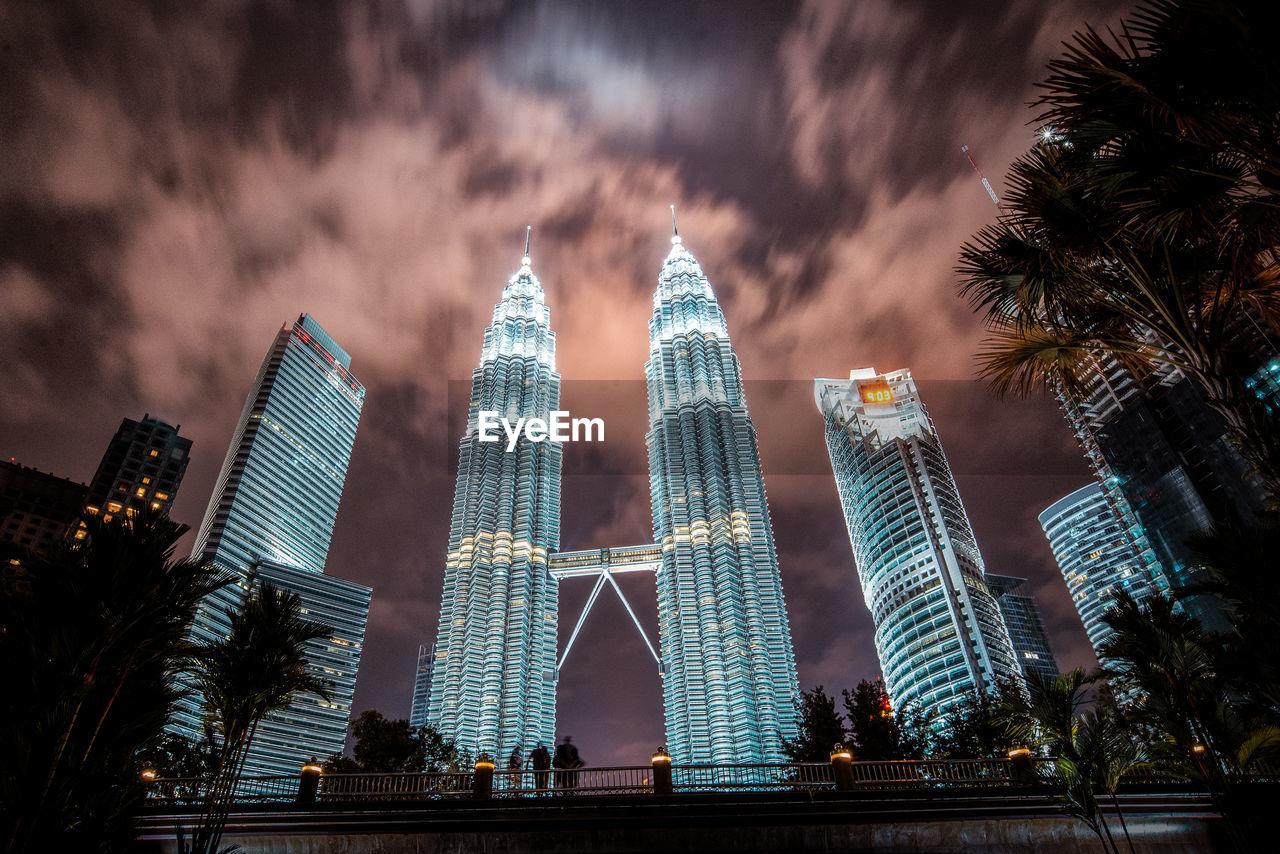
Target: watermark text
x=558, y=427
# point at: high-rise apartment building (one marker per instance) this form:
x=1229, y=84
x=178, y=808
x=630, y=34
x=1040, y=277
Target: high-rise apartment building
x=1098, y=557
x=271, y=518
x=1169, y=471
x=939, y=632
x=421, y=686
x=494, y=678
x=141, y=470
x=729, y=677
x=36, y=509
x=1022, y=619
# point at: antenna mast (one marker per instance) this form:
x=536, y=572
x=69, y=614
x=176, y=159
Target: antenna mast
x=990, y=190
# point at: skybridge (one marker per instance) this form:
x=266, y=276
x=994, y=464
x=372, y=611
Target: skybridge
x=604, y=564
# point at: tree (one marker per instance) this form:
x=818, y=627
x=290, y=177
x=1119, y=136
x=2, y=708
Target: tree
x=1092, y=749
x=1240, y=565
x=974, y=728
x=1163, y=658
x=394, y=746
x=820, y=728
x=879, y=731
x=92, y=631
x=257, y=669
x=1145, y=225
x=177, y=757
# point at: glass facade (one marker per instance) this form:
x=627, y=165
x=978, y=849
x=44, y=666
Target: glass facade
x=493, y=683
x=939, y=632
x=1026, y=629
x=312, y=726
x=421, y=686
x=1162, y=456
x=274, y=504
x=729, y=677
x=1097, y=556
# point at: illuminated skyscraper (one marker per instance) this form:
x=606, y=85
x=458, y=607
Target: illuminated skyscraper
x=939, y=633
x=421, y=686
x=271, y=518
x=1097, y=556
x=493, y=682
x=1022, y=618
x=729, y=676
x=1165, y=460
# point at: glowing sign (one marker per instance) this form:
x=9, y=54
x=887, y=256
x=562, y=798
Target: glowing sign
x=878, y=393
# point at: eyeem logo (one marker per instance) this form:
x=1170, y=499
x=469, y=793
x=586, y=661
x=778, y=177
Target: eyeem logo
x=560, y=428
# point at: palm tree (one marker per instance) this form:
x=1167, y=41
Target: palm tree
x=259, y=668
x=1092, y=749
x=1162, y=658
x=1241, y=574
x=93, y=630
x=1144, y=228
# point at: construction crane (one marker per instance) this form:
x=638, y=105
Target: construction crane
x=990, y=190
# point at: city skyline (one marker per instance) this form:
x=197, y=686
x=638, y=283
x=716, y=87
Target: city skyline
x=378, y=173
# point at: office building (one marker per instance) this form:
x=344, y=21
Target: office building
x=312, y=725
x=141, y=470
x=421, y=687
x=729, y=678
x=271, y=517
x=494, y=676
x=939, y=632
x=1170, y=472
x=1098, y=557
x=1022, y=618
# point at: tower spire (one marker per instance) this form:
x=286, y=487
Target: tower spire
x=528, y=232
x=675, y=232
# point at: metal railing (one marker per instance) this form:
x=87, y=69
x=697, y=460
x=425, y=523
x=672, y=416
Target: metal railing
x=919, y=775
x=933, y=774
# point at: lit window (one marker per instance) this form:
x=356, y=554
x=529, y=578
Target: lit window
x=142, y=492
x=146, y=480
x=162, y=496
x=154, y=452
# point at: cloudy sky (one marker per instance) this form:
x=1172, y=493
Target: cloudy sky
x=181, y=179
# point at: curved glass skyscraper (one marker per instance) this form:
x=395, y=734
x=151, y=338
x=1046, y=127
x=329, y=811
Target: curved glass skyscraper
x=729, y=676
x=1097, y=556
x=493, y=680
x=939, y=633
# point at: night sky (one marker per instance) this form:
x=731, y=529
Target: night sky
x=179, y=179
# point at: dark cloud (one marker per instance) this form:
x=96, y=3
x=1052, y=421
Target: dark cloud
x=180, y=179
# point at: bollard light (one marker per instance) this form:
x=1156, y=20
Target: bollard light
x=842, y=767
x=309, y=782
x=482, y=780
x=1021, y=769
x=661, y=761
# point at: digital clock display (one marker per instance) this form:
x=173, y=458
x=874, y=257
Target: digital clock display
x=876, y=393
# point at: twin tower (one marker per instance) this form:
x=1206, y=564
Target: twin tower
x=728, y=671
